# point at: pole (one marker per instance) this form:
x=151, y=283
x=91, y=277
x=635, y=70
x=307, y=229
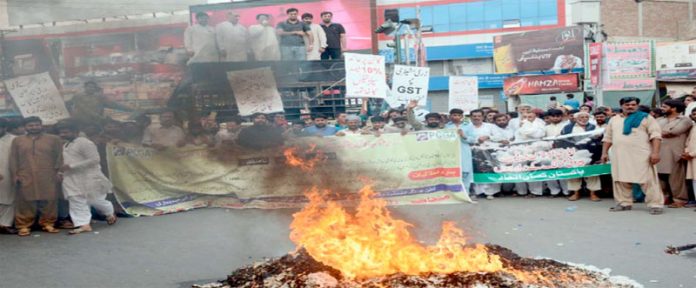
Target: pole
x=640, y=19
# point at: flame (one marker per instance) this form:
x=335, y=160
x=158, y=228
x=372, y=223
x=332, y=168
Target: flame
x=370, y=243
x=305, y=164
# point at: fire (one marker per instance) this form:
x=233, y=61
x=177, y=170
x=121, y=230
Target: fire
x=304, y=164
x=372, y=243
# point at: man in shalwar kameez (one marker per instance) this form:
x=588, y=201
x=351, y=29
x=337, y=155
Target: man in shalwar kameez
x=635, y=137
x=7, y=193
x=84, y=184
x=34, y=162
x=672, y=169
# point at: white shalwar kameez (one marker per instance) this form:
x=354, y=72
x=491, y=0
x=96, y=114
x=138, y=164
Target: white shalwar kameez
x=530, y=131
x=85, y=185
x=485, y=130
x=201, y=41
x=556, y=186
x=7, y=193
x=233, y=39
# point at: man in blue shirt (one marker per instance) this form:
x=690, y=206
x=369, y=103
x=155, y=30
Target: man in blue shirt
x=572, y=102
x=320, y=127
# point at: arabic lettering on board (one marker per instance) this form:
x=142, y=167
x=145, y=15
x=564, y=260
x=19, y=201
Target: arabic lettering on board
x=409, y=83
x=255, y=91
x=37, y=95
x=365, y=76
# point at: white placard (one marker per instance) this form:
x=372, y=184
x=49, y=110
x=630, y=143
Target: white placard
x=255, y=91
x=409, y=83
x=37, y=95
x=365, y=76
x=463, y=93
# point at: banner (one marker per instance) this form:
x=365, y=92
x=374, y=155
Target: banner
x=365, y=75
x=630, y=60
x=554, y=158
x=409, y=83
x=255, y=91
x=419, y=168
x=463, y=93
x=37, y=95
x=630, y=84
x=542, y=50
x=595, y=63
x=541, y=84
x=676, y=55
x=677, y=75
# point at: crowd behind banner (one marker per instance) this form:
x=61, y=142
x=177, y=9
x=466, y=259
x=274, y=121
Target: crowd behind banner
x=651, y=151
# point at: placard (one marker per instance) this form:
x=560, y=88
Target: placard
x=409, y=83
x=365, y=75
x=463, y=93
x=255, y=91
x=37, y=95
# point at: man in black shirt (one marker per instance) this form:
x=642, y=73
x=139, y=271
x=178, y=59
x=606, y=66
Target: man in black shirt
x=261, y=135
x=292, y=33
x=335, y=37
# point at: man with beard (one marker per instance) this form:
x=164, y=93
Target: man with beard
x=320, y=127
x=636, y=138
x=483, y=131
x=690, y=153
x=593, y=184
x=7, y=193
x=400, y=125
x=601, y=119
x=353, y=126
x=530, y=129
x=377, y=128
x=319, y=36
x=335, y=37
x=84, y=184
x=432, y=120
x=165, y=135
x=553, y=129
x=261, y=135
x=671, y=169
x=467, y=137
x=34, y=162
x=502, y=133
x=522, y=110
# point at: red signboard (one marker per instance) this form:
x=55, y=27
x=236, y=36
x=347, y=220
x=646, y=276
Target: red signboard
x=595, y=63
x=541, y=84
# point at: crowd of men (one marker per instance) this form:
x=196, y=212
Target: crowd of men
x=295, y=39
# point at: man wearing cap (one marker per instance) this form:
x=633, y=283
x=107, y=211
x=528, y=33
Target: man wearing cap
x=581, y=125
x=635, y=137
x=353, y=126
x=320, y=127
x=199, y=40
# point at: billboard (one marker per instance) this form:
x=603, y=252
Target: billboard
x=628, y=66
x=543, y=50
x=676, y=55
x=541, y=84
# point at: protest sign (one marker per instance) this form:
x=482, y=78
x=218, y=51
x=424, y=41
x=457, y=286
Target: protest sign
x=553, y=158
x=409, y=83
x=463, y=93
x=37, y=95
x=365, y=75
x=418, y=168
x=255, y=91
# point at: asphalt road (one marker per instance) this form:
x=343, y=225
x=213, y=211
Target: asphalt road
x=205, y=245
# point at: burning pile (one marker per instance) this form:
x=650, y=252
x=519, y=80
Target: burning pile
x=370, y=248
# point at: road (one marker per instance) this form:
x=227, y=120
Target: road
x=205, y=245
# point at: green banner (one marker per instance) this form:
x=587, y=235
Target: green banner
x=543, y=175
x=419, y=168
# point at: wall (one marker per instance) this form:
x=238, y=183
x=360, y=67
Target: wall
x=22, y=12
x=661, y=19
x=4, y=16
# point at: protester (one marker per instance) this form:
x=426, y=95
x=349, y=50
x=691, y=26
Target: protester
x=467, y=137
x=34, y=162
x=553, y=103
x=341, y=121
x=197, y=136
x=400, y=126
x=292, y=33
x=200, y=42
x=319, y=36
x=582, y=124
x=571, y=101
x=88, y=108
x=672, y=169
x=335, y=37
x=84, y=184
x=165, y=135
x=502, y=133
x=522, y=110
x=490, y=116
x=601, y=119
x=294, y=131
x=690, y=154
x=228, y=136
x=635, y=137
x=232, y=39
x=263, y=39
x=432, y=120
x=353, y=122
x=7, y=193
x=531, y=128
x=135, y=130
x=554, y=129
x=320, y=127
x=261, y=135
x=280, y=121
x=589, y=101
x=377, y=128
x=483, y=132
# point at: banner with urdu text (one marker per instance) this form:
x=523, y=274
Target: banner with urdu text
x=419, y=168
x=553, y=158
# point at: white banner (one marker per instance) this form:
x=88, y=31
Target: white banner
x=255, y=91
x=676, y=55
x=409, y=83
x=37, y=95
x=463, y=93
x=365, y=75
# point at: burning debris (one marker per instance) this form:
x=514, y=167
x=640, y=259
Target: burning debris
x=678, y=249
x=370, y=248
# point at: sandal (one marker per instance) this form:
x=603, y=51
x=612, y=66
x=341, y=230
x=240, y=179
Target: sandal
x=50, y=229
x=619, y=208
x=111, y=220
x=677, y=204
x=656, y=211
x=24, y=232
x=80, y=230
